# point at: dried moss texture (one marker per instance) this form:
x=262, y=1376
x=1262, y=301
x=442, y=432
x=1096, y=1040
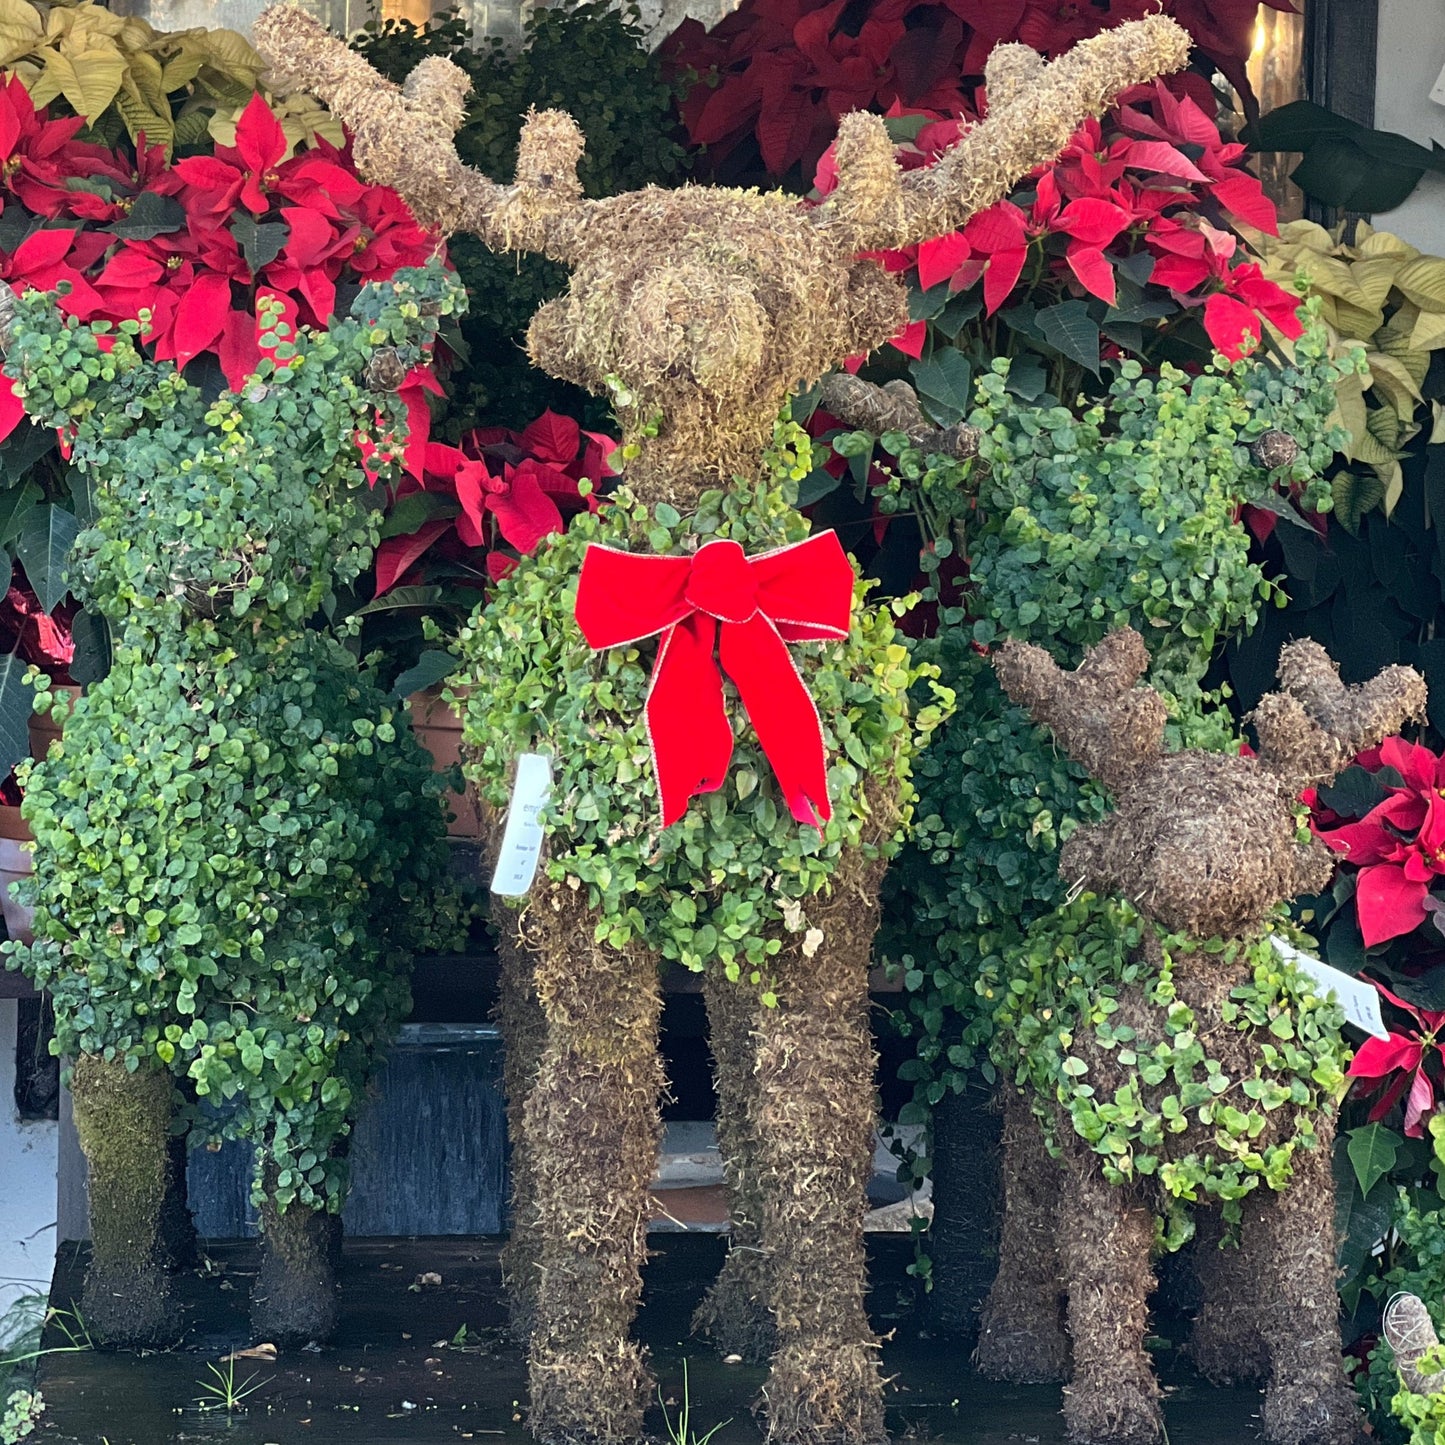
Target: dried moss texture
x=893, y=406
x=591, y=1129
x=123, y=1120
x=1204, y=844
x=702, y=309
x=293, y=1297
x=518, y=1015
x=1104, y=1241
x=1309, y=1401
x=1021, y=1335
x=1309, y=732
x=1227, y=1344
x=735, y=1313
x=815, y=1122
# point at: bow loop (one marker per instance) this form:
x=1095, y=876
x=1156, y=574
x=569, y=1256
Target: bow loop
x=749, y=609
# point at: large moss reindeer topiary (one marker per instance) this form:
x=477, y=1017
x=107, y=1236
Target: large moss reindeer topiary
x=1173, y=1057
x=235, y=840
x=700, y=311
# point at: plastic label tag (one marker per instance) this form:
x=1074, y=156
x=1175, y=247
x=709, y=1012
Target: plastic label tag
x=1358, y=998
x=522, y=835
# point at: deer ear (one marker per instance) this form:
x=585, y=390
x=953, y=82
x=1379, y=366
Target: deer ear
x=1309, y=732
x=1100, y=718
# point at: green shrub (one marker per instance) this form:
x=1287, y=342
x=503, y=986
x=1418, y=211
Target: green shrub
x=237, y=845
x=1126, y=513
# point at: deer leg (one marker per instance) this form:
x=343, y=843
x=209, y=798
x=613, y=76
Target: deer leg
x=123, y=1120
x=591, y=1128
x=1308, y=1400
x=734, y=1314
x=1226, y=1343
x=1021, y=1332
x=293, y=1297
x=1105, y=1236
x=815, y=1121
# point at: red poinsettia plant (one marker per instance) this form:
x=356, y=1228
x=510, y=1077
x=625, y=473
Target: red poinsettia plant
x=1395, y=849
x=1131, y=244
x=1404, y=1065
x=765, y=88
x=1114, y=248
x=480, y=505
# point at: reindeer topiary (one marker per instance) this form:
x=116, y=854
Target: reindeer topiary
x=1173, y=1058
x=700, y=311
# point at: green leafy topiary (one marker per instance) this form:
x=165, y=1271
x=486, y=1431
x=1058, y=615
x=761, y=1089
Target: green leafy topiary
x=723, y=883
x=236, y=845
x=1126, y=513
x=1063, y=986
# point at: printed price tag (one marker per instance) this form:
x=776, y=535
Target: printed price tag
x=522, y=835
x=1359, y=998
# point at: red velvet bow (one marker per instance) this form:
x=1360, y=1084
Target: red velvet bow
x=802, y=593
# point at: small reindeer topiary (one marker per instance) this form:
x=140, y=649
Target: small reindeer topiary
x=1173, y=1057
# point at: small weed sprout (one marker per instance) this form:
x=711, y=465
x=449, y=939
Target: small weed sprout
x=23, y=1410
x=221, y=1391
x=680, y=1431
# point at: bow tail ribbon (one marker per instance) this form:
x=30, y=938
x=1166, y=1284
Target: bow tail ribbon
x=687, y=722
x=782, y=712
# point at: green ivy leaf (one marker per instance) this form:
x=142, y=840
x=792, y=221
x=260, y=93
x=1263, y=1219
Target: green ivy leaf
x=944, y=385
x=1372, y=1149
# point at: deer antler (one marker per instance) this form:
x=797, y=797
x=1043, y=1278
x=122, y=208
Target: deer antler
x=1034, y=110
x=1309, y=732
x=1101, y=719
x=402, y=138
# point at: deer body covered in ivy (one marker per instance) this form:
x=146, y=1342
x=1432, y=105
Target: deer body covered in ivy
x=234, y=837
x=1172, y=1058
x=699, y=312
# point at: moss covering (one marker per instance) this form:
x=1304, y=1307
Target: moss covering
x=123, y=1118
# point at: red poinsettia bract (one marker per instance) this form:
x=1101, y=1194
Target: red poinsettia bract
x=784, y=71
x=499, y=490
x=1398, y=1064
x=1399, y=845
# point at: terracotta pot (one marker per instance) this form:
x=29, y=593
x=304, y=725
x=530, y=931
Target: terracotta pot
x=15, y=862
x=44, y=730
x=439, y=730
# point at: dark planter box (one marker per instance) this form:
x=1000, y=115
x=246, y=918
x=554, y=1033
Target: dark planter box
x=428, y=1155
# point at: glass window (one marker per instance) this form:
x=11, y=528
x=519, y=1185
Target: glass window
x=501, y=18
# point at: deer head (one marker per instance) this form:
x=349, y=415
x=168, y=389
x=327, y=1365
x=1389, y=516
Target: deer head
x=1203, y=843
x=706, y=307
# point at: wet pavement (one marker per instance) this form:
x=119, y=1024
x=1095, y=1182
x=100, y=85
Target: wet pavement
x=424, y=1362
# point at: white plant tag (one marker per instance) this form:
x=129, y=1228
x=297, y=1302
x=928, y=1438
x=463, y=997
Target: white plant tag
x=522, y=835
x=1359, y=999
